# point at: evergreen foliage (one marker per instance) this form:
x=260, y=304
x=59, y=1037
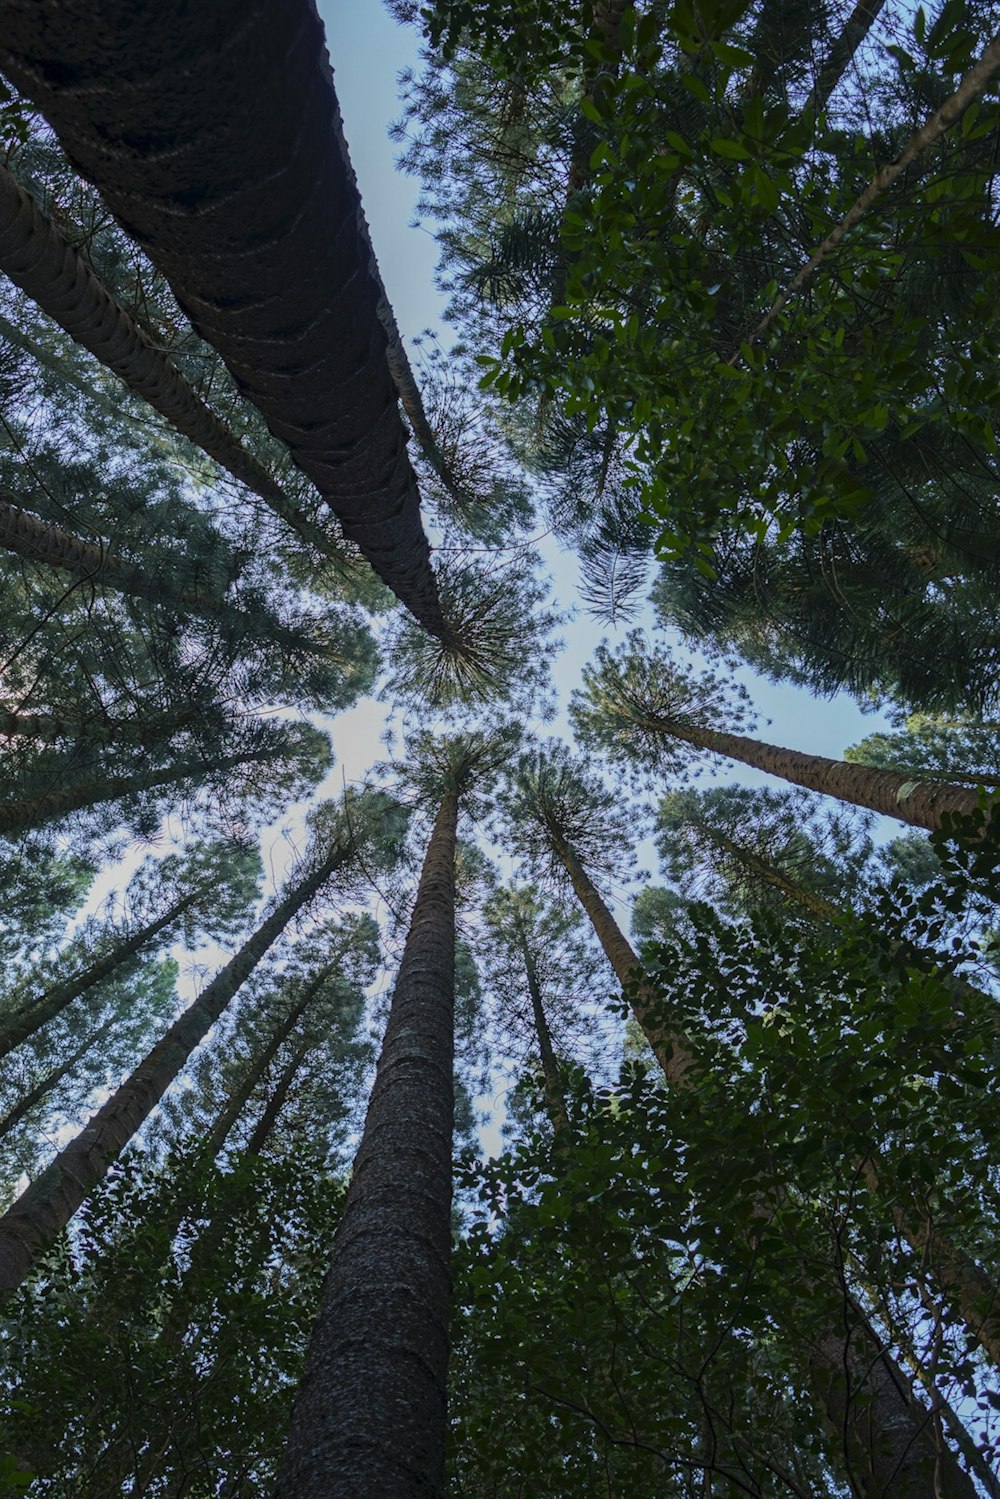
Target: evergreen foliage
x=348, y=1146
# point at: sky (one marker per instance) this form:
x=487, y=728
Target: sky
x=368, y=50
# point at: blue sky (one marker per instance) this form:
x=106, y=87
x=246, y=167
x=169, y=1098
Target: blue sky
x=368, y=50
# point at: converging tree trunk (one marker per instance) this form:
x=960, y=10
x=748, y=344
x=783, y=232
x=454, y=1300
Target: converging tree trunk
x=51, y=1200
x=274, y=267
x=924, y=804
x=279, y=1097
x=40, y=541
x=32, y=812
x=66, y=287
x=554, y=1097
x=31, y=1017
x=888, y=1437
x=370, y=1416
x=50, y=1081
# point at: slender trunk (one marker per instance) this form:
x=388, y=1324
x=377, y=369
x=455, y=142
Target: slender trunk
x=255, y=1071
x=279, y=1097
x=816, y=905
x=66, y=287
x=887, y=1436
x=370, y=1416
x=51, y=1080
x=48, y=1204
x=40, y=541
x=841, y=54
x=554, y=1099
x=32, y=812
x=31, y=1017
x=141, y=731
x=273, y=267
x=672, y=1049
x=924, y=804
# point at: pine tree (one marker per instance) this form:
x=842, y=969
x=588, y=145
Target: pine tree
x=641, y=707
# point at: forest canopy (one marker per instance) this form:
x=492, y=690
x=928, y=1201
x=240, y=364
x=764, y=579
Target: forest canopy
x=587, y=1096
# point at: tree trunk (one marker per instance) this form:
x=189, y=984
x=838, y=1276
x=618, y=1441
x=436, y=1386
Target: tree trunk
x=841, y=54
x=66, y=287
x=18, y=817
x=51, y=1080
x=554, y=1099
x=274, y=267
x=672, y=1049
x=868, y=1401
x=924, y=804
x=30, y=1018
x=279, y=1097
x=255, y=1071
x=41, y=541
x=48, y=1204
x=370, y=1416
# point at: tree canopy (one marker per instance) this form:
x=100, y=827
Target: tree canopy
x=585, y=1095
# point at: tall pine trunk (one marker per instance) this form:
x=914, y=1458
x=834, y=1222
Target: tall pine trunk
x=32, y=812
x=256, y=1069
x=48, y=1204
x=41, y=541
x=370, y=1416
x=51, y=1080
x=922, y=803
x=36, y=257
x=269, y=1118
x=274, y=267
x=554, y=1098
x=888, y=1437
x=30, y=1018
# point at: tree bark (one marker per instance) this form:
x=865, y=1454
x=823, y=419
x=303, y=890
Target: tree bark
x=30, y=1018
x=278, y=1099
x=274, y=267
x=887, y=1434
x=41, y=541
x=51, y=1080
x=48, y=1204
x=924, y=804
x=219, y=1132
x=18, y=817
x=554, y=1098
x=841, y=54
x=370, y=1416
x=66, y=287
x=672, y=1049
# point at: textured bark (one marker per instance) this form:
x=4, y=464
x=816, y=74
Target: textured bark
x=36, y=257
x=273, y=266
x=841, y=55
x=41, y=541
x=51, y=1080
x=672, y=1049
x=921, y=803
x=887, y=1436
x=49, y=1203
x=370, y=1416
x=265, y=1124
x=255, y=1071
x=31, y=1017
x=554, y=1098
